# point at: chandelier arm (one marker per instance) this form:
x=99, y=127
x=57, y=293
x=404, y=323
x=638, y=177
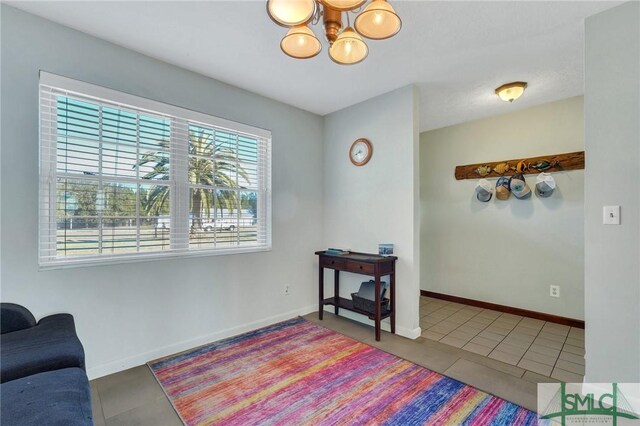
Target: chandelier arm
x=317, y=15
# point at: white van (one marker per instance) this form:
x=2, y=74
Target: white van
x=210, y=224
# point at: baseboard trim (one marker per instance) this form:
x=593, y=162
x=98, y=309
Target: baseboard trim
x=508, y=309
x=409, y=333
x=136, y=360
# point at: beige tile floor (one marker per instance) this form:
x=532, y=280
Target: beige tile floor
x=544, y=348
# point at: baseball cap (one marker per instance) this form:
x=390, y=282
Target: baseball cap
x=484, y=190
x=545, y=184
x=502, y=188
x=519, y=186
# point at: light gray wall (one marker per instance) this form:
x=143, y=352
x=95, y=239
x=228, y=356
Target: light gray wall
x=378, y=202
x=127, y=314
x=506, y=252
x=612, y=140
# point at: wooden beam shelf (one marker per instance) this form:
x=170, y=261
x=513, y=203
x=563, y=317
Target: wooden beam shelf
x=527, y=166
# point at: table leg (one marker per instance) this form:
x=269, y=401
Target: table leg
x=321, y=288
x=392, y=302
x=336, y=290
x=377, y=307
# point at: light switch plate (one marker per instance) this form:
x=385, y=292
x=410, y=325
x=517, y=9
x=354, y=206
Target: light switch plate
x=611, y=215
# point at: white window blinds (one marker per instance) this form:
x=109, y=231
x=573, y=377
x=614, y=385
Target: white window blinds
x=125, y=178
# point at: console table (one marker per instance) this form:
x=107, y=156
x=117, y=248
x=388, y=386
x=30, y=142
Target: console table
x=365, y=264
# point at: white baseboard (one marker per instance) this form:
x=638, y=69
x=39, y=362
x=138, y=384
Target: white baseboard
x=401, y=331
x=136, y=360
x=409, y=333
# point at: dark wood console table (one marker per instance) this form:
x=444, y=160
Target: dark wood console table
x=365, y=264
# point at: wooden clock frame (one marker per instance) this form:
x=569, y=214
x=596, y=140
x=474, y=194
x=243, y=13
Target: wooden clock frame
x=367, y=158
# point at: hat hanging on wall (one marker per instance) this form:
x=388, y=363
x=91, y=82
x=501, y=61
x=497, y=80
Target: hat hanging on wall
x=519, y=186
x=545, y=184
x=502, y=188
x=484, y=190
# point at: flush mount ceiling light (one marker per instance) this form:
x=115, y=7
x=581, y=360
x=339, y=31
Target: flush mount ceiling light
x=511, y=91
x=346, y=47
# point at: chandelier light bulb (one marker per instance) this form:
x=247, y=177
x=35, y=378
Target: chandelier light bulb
x=378, y=21
x=289, y=13
x=301, y=43
x=349, y=48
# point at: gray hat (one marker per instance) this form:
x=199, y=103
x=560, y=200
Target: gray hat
x=545, y=184
x=484, y=190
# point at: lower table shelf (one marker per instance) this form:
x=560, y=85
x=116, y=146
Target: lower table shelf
x=347, y=304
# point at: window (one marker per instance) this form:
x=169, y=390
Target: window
x=126, y=178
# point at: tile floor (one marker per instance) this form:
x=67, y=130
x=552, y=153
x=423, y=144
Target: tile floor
x=545, y=348
x=134, y=397
x=131, y=397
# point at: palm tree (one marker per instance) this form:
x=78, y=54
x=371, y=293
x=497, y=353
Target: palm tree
x=156, y=201
x=209, y=165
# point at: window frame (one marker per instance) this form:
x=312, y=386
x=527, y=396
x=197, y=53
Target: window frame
x=181, y=118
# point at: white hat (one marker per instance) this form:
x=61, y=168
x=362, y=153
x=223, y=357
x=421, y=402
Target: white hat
x=484, y=190
x=545, y=184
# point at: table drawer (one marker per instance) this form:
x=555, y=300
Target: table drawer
x=333, y=263
x=359, y=268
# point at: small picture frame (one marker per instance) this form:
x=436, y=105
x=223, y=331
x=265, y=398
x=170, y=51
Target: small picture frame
x=385, y=249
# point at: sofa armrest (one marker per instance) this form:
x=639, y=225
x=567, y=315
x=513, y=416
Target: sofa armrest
x=14, y=317
x=60, y=322
x=50, y=345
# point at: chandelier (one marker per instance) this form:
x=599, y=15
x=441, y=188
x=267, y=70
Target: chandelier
x=377, y=21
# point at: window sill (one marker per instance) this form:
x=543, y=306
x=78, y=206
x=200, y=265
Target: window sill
x=106, y=260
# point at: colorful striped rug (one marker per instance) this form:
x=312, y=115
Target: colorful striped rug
x=298, y=373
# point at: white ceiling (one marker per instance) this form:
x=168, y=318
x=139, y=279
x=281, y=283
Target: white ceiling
x=456, y=52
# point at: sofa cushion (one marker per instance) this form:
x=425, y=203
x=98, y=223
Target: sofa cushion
x=50, y=345
x=54, y=398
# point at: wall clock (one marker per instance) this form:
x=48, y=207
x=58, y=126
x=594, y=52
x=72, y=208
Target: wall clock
x=360, y=152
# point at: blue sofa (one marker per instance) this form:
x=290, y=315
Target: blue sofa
x=42, y=370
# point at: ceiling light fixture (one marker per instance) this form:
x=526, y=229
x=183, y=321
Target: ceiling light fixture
x=346, y=46
x=301, y=43
x=511, y=91
x=343, y=5
x=348, y=49
x=378, y=21
x=290, y=13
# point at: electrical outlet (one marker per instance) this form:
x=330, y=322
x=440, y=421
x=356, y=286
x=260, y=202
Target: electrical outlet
x=554, y=290
x=287, y=290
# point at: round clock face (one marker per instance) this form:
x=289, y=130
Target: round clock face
x=360, y=152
